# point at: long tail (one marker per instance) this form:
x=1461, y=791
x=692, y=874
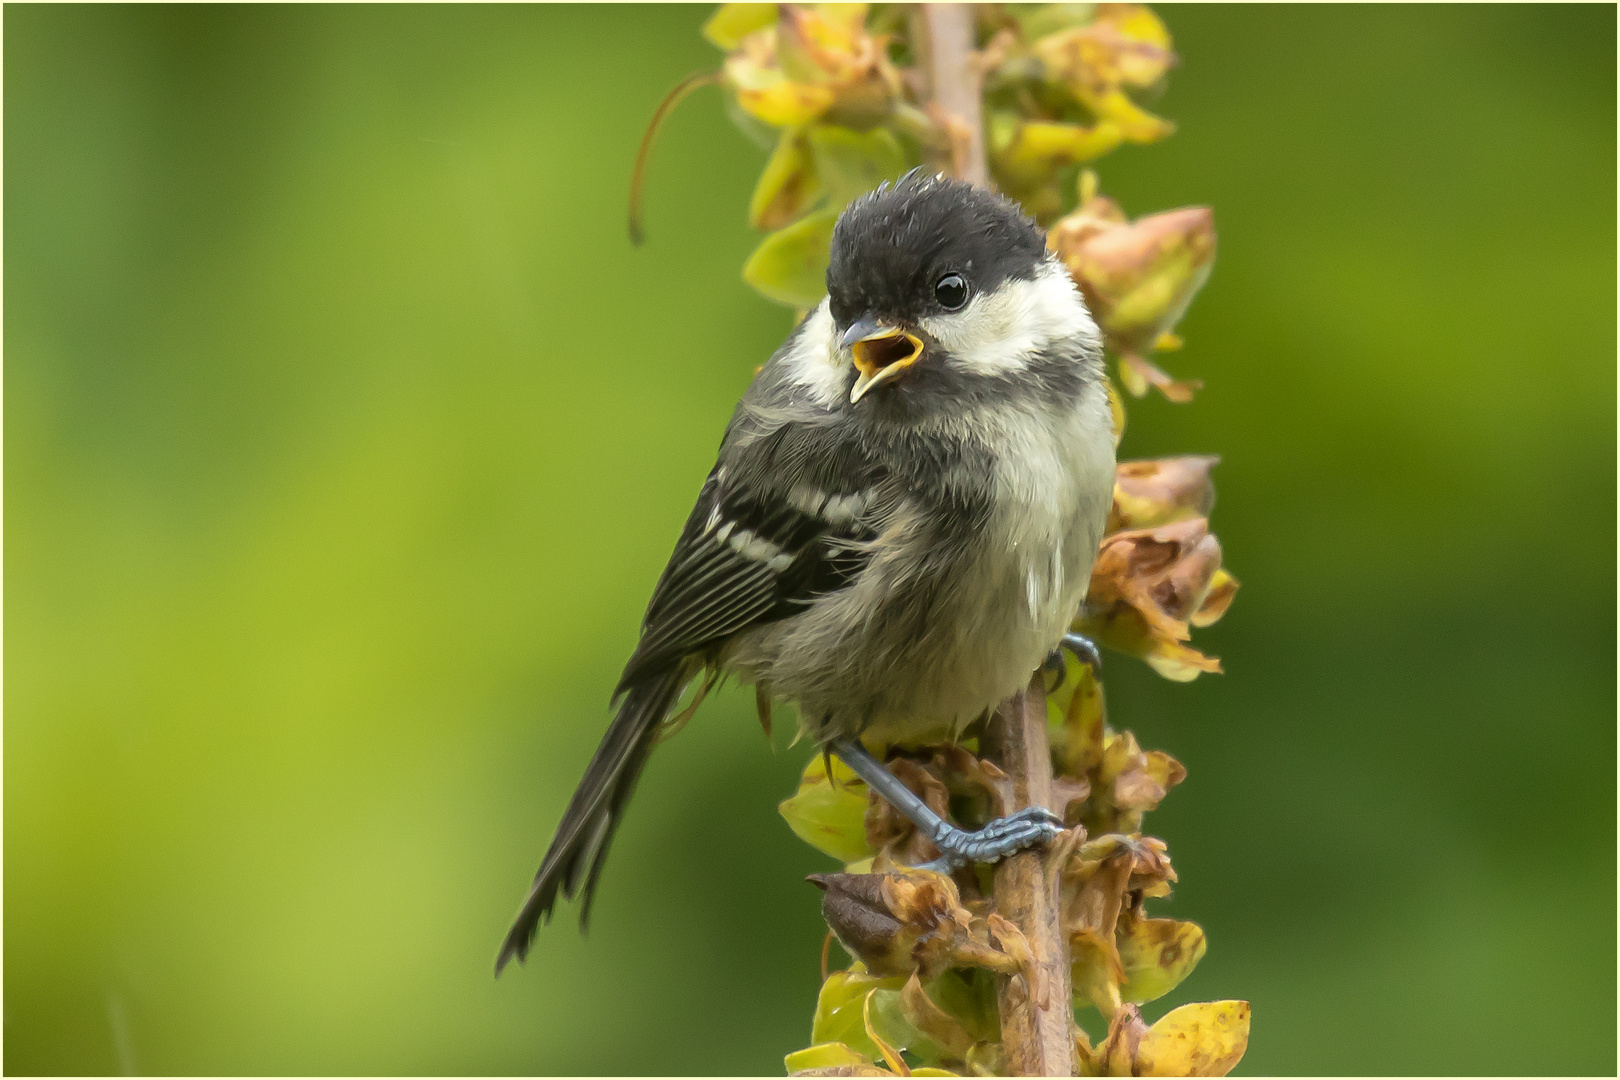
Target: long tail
x=593, y=813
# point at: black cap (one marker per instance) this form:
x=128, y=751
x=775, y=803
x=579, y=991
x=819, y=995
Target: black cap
x=891, y=247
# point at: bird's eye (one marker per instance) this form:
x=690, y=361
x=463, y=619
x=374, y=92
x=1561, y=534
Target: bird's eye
x=951, y=292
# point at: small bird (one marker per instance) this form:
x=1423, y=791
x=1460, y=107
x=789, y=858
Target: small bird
x=901, y=522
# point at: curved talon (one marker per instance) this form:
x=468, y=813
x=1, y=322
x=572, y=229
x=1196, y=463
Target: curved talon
x=1084, y=649
x=1054, y=666
x=1032, y=826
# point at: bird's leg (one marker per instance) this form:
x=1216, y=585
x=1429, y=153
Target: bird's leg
x=1029, y=827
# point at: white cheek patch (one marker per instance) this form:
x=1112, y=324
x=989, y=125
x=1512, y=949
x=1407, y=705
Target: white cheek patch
x=998, y=332
x=815, y=361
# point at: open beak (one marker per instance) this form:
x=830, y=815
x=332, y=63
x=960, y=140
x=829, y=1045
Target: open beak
x=880, y=352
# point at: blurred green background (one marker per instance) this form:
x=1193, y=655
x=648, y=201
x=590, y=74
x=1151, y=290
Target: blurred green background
x=346, y=435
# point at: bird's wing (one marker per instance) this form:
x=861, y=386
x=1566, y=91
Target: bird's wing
x=752, y=551
x=752, y=554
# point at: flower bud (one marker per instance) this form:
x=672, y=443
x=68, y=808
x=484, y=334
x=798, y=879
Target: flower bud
x=1152, y=493
x=1139, y=278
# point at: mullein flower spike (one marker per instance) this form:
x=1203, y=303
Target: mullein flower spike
x=828, y=91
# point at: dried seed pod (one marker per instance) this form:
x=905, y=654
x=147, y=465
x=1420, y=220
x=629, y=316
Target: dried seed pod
x=903, y=922
x=1147, y=586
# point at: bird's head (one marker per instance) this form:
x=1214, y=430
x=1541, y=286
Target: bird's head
x=939, y=289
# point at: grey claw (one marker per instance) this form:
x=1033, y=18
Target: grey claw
x=1053, y=665
x=1084, y=649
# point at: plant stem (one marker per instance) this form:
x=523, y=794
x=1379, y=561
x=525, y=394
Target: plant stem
x=1037, y=1035
x=943, y=37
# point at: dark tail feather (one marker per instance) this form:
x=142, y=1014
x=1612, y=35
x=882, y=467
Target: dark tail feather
x=593, y=813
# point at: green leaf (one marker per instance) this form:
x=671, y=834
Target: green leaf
x=971, y=998
x=1157, y=954
x=1038, y=20
x=838, y=1008
x=788, y=186
x=830, y=817
x=732, y=22
x=851, y=163
x=1074, y=713
x=790, y=265
x=892, y=1026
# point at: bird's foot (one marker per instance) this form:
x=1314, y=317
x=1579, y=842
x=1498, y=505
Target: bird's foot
x=1084, y=649
x=1033, y=826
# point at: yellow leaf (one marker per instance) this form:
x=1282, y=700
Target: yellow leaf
x=1126, y=44
x=830, y=817
x=1033, y=151
x=827, y=1055
x=1134, y=378
x=1125, y=119
x=1145, y=54
x=732, y=22
x=1165, y=770
x=1157, y=954
x=785, y=103
x=764, y=91
x=1204, y=1039
x=853, y=16
x=1178, y=663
